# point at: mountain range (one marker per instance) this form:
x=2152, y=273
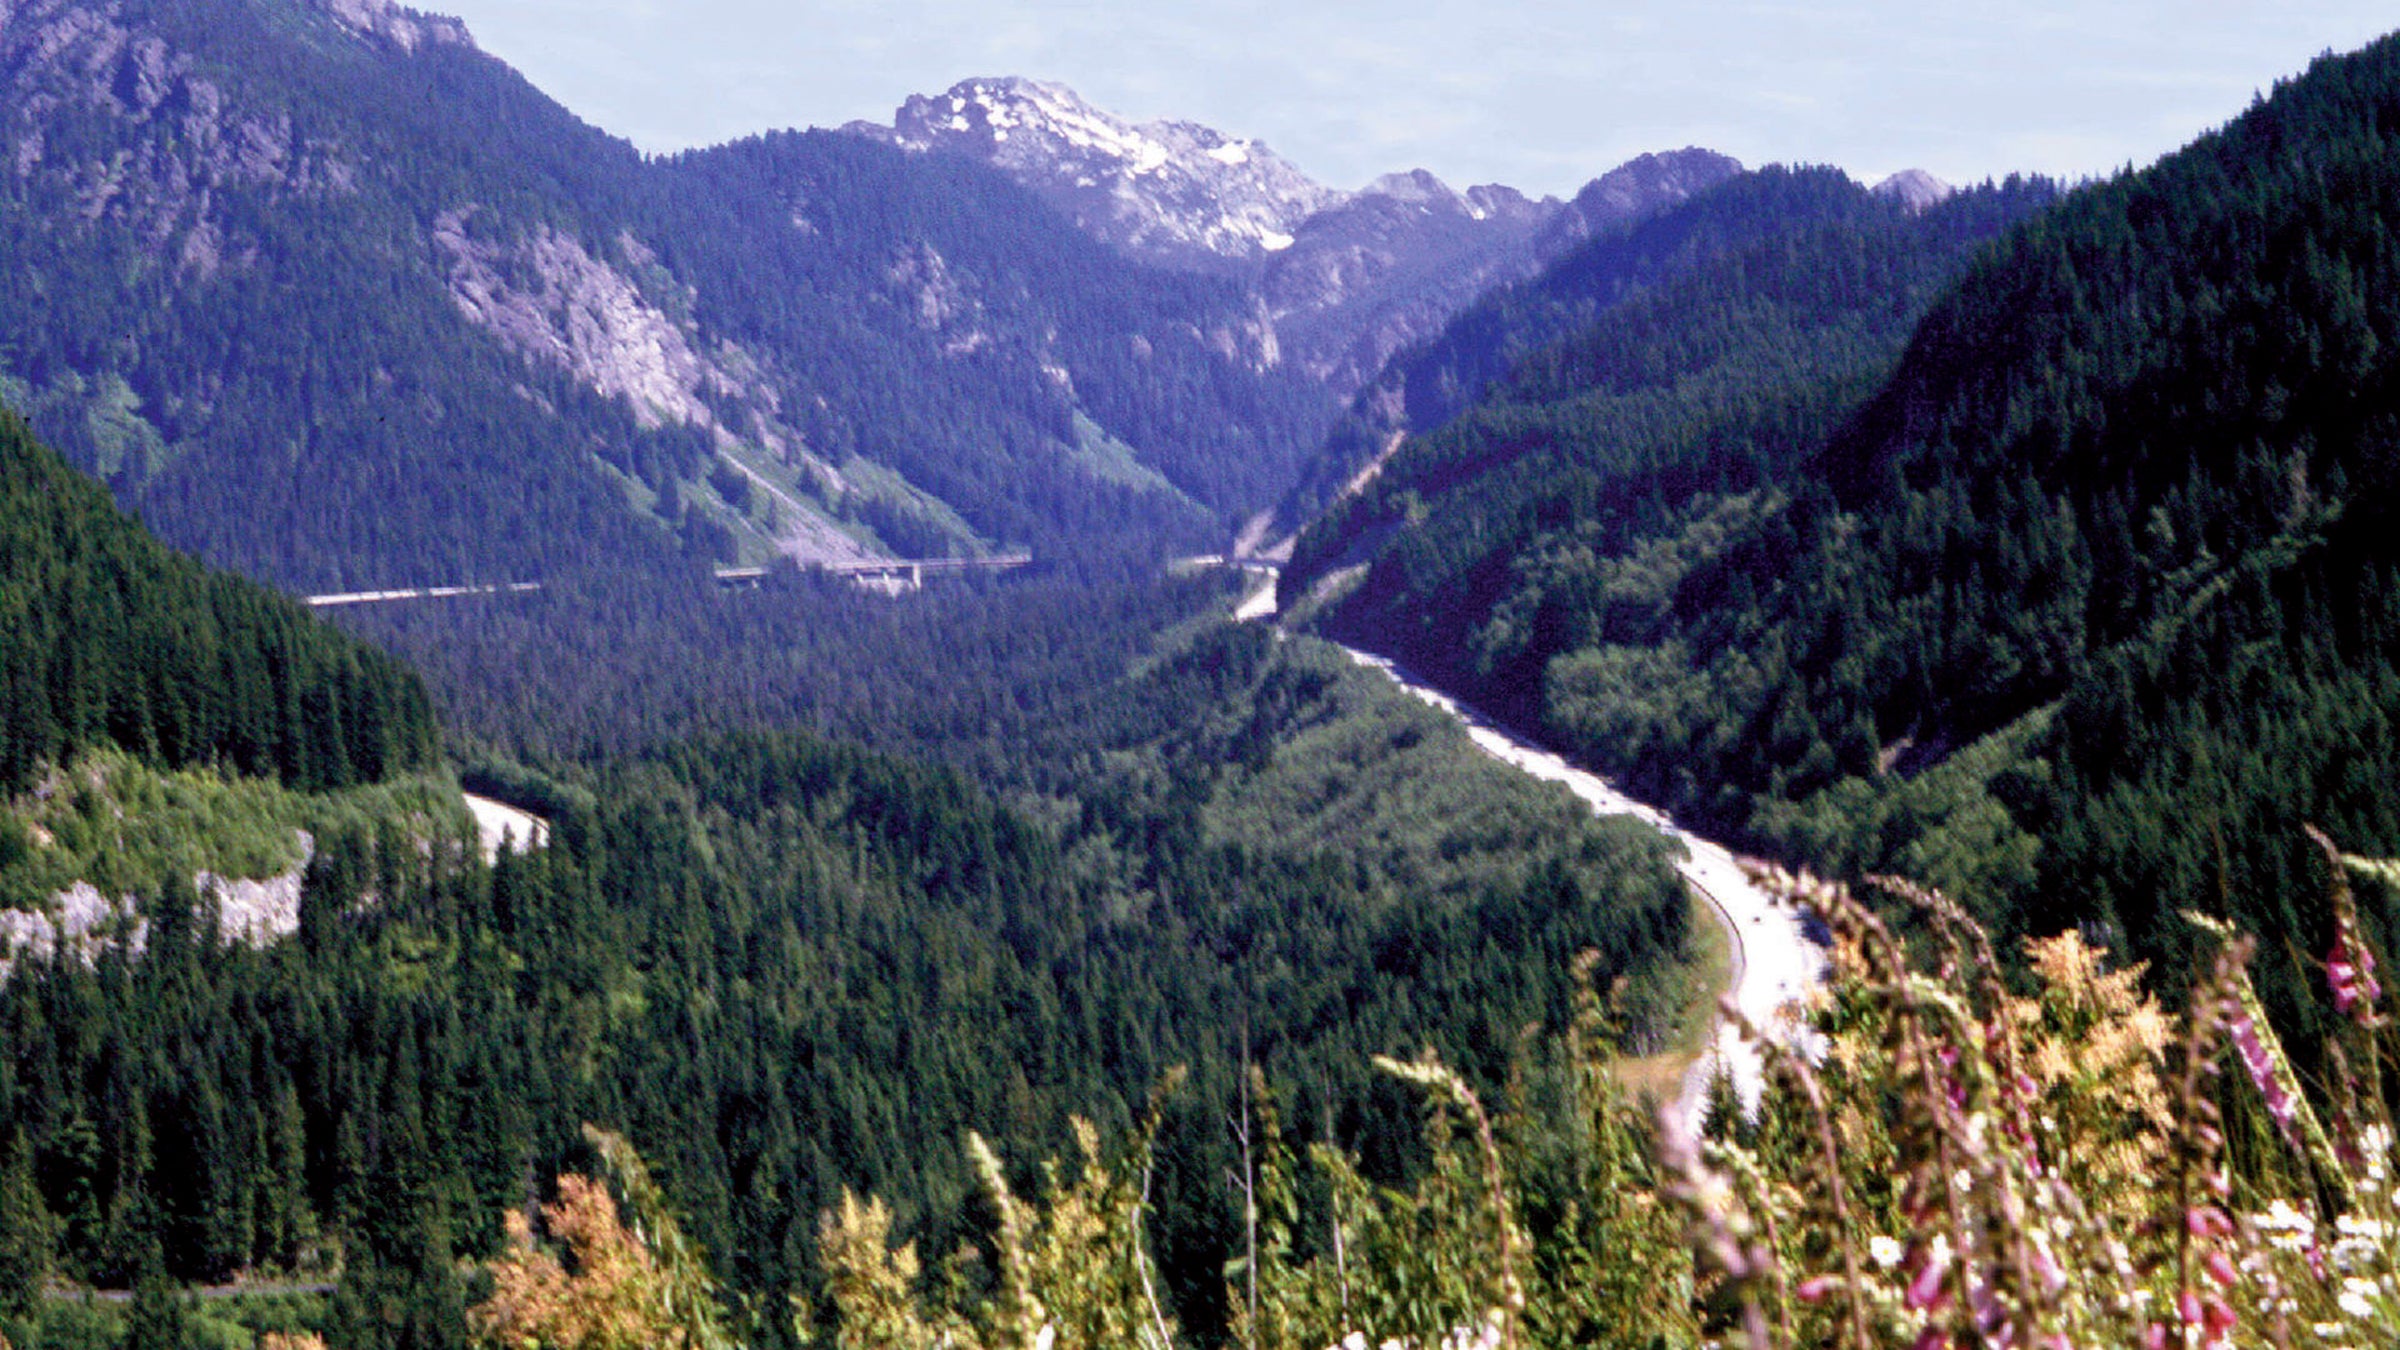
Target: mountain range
x=2031, y=540
x=1346, y=278
x=333, y=297
x=517, y=348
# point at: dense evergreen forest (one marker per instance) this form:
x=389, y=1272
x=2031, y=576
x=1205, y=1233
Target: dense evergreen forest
x=109, y=638
x=783, y=966
x=779, y=964
x=2083, y=611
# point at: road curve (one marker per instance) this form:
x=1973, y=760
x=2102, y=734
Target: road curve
x=499, y=823
x=1775, y=965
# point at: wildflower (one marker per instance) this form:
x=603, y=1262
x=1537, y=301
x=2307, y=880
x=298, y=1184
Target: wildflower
x=2351, y=1226
x=2207, y=1221
x=1884, y=1251
x=2355, y=1298
x=2350, y=968
x=2216, y=1321
x=2260, y=1062
x=1926, y=1292
x=2282, y=1216
x=2046, y=1266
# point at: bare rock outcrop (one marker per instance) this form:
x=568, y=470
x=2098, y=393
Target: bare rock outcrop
x=81, y=924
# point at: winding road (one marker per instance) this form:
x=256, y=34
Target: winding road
x=1775, y=965
x=499, y=823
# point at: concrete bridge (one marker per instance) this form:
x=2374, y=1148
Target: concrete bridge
x=416, y=593
x=893, y=576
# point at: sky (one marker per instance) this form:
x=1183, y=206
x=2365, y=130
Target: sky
x=1539, y=94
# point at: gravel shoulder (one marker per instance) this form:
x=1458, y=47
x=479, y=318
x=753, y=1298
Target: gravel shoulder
x=498, y=821
x=1775, y=965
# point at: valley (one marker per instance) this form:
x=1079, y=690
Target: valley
x=1026, y=728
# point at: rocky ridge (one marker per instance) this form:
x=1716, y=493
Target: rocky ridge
x=1169, y=192
x=1344, y=278
x=60, y=59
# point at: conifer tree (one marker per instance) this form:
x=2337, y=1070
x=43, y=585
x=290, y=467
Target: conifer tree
x=27, y=1233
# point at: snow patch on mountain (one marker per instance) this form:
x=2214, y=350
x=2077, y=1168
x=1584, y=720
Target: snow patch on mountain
x=1169, y=191
x=1344, y=279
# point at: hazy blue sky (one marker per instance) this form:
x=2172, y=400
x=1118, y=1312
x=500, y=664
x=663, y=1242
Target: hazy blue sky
x=1541, y=94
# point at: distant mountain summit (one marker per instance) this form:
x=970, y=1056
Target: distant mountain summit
x=1344, y=278
x=332, y=297
x=1914, y=189
x=1638, y=188
x=1167, y=192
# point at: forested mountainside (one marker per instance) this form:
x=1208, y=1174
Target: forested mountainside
x=2087, y=610
x=338, y=300
x=107, y=638
x=1694, y=352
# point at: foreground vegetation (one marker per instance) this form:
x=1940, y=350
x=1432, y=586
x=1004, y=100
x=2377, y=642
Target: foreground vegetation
x=1966, y=1163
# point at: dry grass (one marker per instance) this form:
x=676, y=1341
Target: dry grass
x=1709, y=977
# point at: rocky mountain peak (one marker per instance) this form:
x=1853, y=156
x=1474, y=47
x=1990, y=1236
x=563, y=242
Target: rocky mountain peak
x=1488, y=201
x=1416, y=185
x=1167, y=191
x=1914, y=189
x=1639, y=187
x=398, y=25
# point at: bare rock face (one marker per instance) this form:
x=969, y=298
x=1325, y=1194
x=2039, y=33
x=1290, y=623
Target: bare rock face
x=920, y=279
x=398, y=25
x=1175, y=193
x=548, y=299
x=621, y=325
x=1914, y=189
x=81, y=924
